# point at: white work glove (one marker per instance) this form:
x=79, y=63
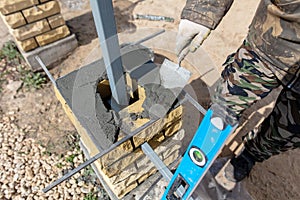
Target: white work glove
x=189, y=38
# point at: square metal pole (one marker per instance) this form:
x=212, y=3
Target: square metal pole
x=103, y=14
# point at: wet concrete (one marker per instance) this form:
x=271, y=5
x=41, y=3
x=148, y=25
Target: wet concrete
x=79, y=89
x=159, y=101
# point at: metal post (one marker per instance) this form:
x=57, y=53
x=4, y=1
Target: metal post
x=107, y=32
x=162, y=168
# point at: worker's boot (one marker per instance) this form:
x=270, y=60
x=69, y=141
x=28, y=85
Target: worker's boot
x=239, y=167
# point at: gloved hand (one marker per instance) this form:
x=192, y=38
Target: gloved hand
x=189, y=38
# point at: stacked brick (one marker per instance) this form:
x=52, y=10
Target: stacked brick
x=126, y=166
x=34, y=23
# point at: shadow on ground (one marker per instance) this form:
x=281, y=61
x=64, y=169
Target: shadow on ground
x=83, y=26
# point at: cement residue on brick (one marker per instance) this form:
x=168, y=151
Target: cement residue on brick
x=108, y=119
x=79, y=90
x=159, y=100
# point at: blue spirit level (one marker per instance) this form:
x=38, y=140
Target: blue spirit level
x=209, y=139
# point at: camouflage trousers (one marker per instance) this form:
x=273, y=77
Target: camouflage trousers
x=247, y=79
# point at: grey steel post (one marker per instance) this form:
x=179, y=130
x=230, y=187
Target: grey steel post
x=103, y=14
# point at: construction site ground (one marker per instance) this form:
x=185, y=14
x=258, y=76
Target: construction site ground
x=39, y=114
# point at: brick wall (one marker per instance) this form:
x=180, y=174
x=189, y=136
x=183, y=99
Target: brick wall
x=34, y=23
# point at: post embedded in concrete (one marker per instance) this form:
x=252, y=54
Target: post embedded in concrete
x=103, y=14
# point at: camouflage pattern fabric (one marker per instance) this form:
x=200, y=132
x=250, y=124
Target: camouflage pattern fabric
x=274, y=33
x=280, y=131
x=247, y=79
x=206, y=12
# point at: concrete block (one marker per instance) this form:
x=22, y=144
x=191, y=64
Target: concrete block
x=15, y=20
x=41, y=11
x=28, y=44
x=31, y=30
x=53, y=35
x=117, y=166
x=9, y=6
x=51, y=54
x=56, y=21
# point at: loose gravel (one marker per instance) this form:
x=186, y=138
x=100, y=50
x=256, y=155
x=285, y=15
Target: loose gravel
x=27, y=167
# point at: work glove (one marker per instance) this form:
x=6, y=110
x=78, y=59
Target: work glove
x=189, y=38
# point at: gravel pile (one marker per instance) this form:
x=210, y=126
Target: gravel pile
x=26, y=168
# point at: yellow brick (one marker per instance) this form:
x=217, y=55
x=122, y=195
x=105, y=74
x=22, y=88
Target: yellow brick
x=28, y=44
x=123, y=188
x=111, y=169
x=168, y=151
x=41, y=11
x=149, y=132
x=31, y=30
x=56, y=21
x=117, y=166
x=146, y=175
x=89, y=144
x=174, y=115
x=10, y=6
x=173, y=128
x=15, y=20
x=121, y=151
x=53, y=35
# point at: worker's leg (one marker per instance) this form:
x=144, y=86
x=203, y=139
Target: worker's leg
x=245, y=79
x=280, y=131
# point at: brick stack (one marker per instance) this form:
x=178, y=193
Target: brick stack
x=34, y=23
x=126, y=166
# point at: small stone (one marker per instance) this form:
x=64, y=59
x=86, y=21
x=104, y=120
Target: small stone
x=29, y=174
x=78, y=191
x=16, y=177
x=72, y=181
x=10, y=152
x=56, y=195
x=81, y=183
x=85, y=190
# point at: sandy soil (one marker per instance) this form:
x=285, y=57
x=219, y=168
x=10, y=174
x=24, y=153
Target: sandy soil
x=277, y=178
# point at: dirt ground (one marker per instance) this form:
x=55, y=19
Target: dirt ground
x=43, y=117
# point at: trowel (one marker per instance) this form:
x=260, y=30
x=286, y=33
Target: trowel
x=162, y=94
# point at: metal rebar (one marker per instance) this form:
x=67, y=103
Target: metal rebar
x=149, y=37
x=96, y=157
x=39, y=60
x=162, y=168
